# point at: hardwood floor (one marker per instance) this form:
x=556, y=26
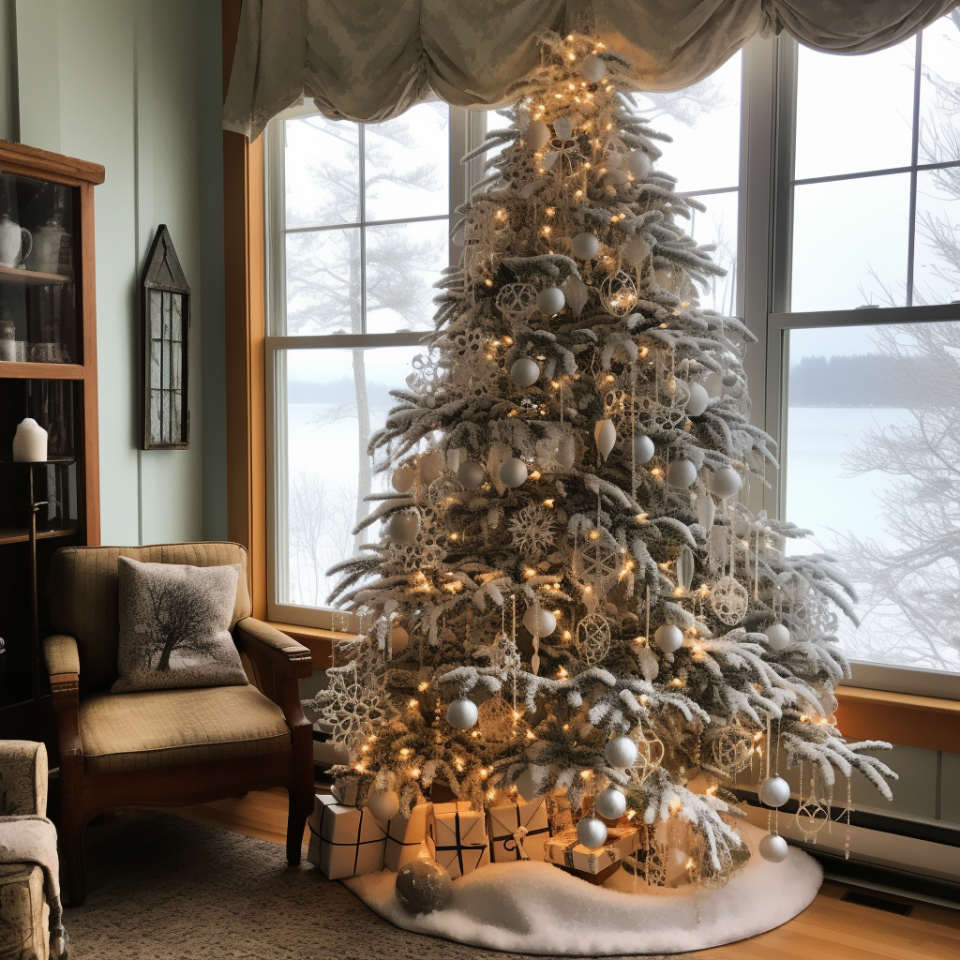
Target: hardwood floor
x=829, y=929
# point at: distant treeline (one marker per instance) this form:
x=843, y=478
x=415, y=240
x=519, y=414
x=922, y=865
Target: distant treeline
x=862, y=380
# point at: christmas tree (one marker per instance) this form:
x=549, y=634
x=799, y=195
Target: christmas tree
x=569, y=596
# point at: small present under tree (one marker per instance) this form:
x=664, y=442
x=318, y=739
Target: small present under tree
x=568, y=594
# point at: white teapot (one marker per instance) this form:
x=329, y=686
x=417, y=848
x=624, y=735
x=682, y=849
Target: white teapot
x=47, y=241
x=13, y=240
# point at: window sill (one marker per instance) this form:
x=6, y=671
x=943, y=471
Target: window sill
x=318, y=641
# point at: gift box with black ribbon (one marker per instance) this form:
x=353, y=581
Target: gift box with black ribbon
x=457, y=838
x=518, y=830
x=565, y=850
x=406, y=836
x=345, y=841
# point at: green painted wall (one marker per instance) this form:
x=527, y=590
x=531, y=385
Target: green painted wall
x=135, y=85
x=9, y=122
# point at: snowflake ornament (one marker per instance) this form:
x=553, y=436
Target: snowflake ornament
x=598, y=562
x=728, y=599
x=353, y=703
x=533, y=529
x=593, y=639
x=517, y=301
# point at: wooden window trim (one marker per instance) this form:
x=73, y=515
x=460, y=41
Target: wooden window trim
x=863, y=714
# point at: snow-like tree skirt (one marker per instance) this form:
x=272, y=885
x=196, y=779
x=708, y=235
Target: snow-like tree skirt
x=537, y=908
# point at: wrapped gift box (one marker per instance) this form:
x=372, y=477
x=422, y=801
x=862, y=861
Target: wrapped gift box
x=405, y=837
x=565, y=850
x=345, y=841
x=559, y=814
x=457, y=838
x=518, y=830
x=345, y=792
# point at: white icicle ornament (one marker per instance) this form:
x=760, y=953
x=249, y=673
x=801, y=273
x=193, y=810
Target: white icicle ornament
x=514, y=472
x=525, y=372
x=605, y=434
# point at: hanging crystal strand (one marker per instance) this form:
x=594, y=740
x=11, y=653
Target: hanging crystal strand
x=846, y=839
x=513, y=599
x=633, y=424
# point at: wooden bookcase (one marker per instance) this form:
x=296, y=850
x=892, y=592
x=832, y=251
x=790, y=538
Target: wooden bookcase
x=48, y=371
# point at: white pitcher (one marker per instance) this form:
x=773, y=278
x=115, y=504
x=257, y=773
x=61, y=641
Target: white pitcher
x=13, y=239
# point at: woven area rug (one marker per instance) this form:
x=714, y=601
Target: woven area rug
x=164, y=888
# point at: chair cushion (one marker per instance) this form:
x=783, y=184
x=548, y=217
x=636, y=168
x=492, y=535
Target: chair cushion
x=166, y=728
x=175, y=626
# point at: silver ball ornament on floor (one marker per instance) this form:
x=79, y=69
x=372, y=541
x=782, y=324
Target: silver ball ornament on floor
x=620, y=752
x=774, y=792
x=403, y=478
x=585, y=246
x=592, y=832
x=698, y=400
x=593, y=69
x=462, y=713
x=778, y=636
x=643, y=448
x=610, y=803
x=540, y=623
x=681, y=474
x=525, y=372
x=550, y=300
x=403, y=527
x=422, y=885
x=384, y=805
x=669, y=637
x=725, y=483
x=470, y=474
x=514, y=472
x=774, y=848
x=536, y=135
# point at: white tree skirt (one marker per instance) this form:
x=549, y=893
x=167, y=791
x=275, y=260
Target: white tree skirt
x=536, y=908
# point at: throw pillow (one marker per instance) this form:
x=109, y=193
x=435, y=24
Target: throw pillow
x=175, y=626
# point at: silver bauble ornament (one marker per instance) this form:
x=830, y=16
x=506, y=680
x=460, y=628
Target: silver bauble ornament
x=697, y=400
x=525, y=372
x=638, y=164
x=592, y=832
x=774, y=792
x=403, y=527
x=681, y=474
x=610, y=803
x=470, y=474
x=432, y=466
x=620, y=752
x=423, y=885
x=585, y=246
x=540, y=623
x=550, y=300
x=399, y=639
x=778, y=636
x=384, y=805
x=514, y=472
x=403, y=478
x=725, y=483
x=643, y=448
x=593, y=69
x=537, y=135
x=605, y=434
x=462, y=713
x=774, y=848
x=669, y=637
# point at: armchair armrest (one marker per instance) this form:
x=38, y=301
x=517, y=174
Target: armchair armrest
x=264, y=643
x=63, y=667
x=23, y=770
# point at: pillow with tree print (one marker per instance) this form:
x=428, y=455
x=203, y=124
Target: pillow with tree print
x=175, y=626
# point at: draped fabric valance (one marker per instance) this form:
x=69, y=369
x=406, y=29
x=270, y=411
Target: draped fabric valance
x=370, y=60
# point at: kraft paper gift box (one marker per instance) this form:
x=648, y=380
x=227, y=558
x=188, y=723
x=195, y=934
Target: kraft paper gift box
x=457, y=838
x=345, y=841
x=565, y=850
x=518, y=830
x=405, y=837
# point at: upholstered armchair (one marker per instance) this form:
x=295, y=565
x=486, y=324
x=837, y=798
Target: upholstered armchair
x=175, y=747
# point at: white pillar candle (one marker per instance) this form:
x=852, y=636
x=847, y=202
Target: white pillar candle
x=30, y=442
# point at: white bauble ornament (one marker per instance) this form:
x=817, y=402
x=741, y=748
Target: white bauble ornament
x=470, y=474
x=668, y=637
x=462, y=713
x=585, y=246
x=610, y=803
x=592, y=832
x=698, y=399
x=432, y=466
x=385, y=805
x=620, y=752
x=638, y=164
x=403, y=527
x=774, y=848
x=593, y=69
x=525, y=372
x=399, y=639
x=774, y=792
x=681, y=474
x=605, y=433
x=540, y=623
x=725, y=483
x=403, y=478
x=423, y=885
x=550, y=300
x=514, y=472
x=537, y=135
x=643, y=448
x=778, y=636
x=706, y=511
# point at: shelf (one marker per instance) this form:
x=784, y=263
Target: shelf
x=22, y=535
x=53, y=462
x=30, y=278
x=41, y=371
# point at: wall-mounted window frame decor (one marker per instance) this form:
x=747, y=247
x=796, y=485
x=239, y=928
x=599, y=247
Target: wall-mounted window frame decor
x=165, y=348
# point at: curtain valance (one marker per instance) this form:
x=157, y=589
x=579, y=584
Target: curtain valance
x=370, y=60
